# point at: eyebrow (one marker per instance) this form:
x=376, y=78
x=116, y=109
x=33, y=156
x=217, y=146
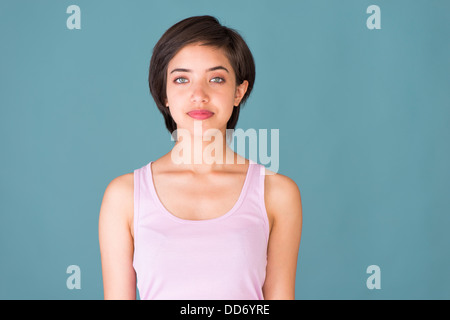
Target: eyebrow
x=208, y=70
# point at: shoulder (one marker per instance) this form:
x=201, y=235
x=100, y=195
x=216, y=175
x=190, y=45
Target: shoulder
x=118, y=199
x=282, y=197
x=120, y=187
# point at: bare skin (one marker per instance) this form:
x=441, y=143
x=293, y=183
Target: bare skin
x=200, y=191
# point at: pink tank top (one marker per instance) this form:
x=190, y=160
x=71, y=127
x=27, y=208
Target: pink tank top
x=216, y=259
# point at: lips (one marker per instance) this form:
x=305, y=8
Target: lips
x=200, y=114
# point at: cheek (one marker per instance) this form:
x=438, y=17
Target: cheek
x=174, y=97
x=227, y=96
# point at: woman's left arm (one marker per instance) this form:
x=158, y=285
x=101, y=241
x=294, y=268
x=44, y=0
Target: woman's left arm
x=283, y=204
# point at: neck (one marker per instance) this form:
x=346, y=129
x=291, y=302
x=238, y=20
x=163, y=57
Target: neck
x=203, y=151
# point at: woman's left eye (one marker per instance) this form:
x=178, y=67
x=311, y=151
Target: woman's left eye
x=218, y=79
x=180, y=80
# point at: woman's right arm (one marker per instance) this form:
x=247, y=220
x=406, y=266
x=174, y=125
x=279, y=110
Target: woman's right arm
x=116, y=239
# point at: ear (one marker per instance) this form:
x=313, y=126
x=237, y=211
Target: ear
x=240, y=92
x=166, y=102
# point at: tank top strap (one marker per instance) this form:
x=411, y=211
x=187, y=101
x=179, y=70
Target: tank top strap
x=254, y=197
x=254, y=182
x=144, y=200
x=140, y=192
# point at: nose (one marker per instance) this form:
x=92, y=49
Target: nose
x=199, y=93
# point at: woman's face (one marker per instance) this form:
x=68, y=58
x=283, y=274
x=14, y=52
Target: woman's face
x=201, y=78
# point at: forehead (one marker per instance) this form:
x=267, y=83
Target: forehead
x=199, y=55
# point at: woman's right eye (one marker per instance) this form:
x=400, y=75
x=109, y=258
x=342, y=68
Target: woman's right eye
x=180, y=80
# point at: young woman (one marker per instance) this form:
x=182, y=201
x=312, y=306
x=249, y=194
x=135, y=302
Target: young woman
x=214, y=225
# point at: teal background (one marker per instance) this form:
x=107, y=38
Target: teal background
x=363, y=117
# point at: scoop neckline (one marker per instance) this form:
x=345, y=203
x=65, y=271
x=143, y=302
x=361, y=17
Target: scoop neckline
x=188, y=221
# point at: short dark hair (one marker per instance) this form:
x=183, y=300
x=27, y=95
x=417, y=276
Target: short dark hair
x=207, y=31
